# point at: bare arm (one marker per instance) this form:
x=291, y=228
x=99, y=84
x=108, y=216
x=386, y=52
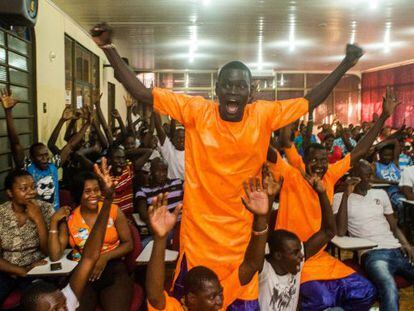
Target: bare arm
x=70, y=129
x=51, y=144
x=173, y=127
x=102, y=120
x=73, y=142
x=158, y=126
x=58, y=233
x=143, y=210
x=408, y=192
x=308, y=133
x=102, y=37
x=406, y=247
x=320, y=92
x=342, y=216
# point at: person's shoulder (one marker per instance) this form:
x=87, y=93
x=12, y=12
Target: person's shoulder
x=378, y=193
x=5, y=207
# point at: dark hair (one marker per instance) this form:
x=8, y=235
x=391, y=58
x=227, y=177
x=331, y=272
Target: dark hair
x=34, y=147
x=196, y=278
x=157, y=161
x=387, y=147
x=78, y=183
x=32, y=294
x=234, y=65
x=313, y=146
x=12, y=176
x=327, y=136
x=112, y=149
x=278, y=237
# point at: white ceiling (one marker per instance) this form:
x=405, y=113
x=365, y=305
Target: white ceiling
x=279, y=34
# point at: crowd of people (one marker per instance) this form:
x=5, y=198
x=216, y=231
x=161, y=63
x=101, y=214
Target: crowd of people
x=206, y=183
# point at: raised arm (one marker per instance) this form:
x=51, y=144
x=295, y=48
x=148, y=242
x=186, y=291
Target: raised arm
x=162, y=222
x=67, y=115
x=70, y=129
x=308, y=133
x=58, y=233
x=92, y=249
x=8, y=103
x=320, y=92
x=117, y=117
x=341, y=217
x=102, y=36
x=173, y=127
x=388, y=107
x=101, y=118
x=328, y=228
x=158, y=126
x=73, y=142
x=256, y=202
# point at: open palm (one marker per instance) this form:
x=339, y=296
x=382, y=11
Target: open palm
x=161, y=219
x=256, y=199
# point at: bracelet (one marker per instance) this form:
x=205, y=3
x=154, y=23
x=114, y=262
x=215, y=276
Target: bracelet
x=107, y=46
x=257, y=233
x=53, y=231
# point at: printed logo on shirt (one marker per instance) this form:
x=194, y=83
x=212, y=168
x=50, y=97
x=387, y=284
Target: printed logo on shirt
x=282, y=297
x=46, y=188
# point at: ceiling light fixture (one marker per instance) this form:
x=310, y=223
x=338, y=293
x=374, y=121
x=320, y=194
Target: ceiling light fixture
x=206, y=2
x=193, y=43
x=353, y=32
x=387, y=37
x=292, y=44
x=260, y=44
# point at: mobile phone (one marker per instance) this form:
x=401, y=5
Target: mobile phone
x=55, y=266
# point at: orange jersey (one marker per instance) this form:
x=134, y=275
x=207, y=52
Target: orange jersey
x=231, y=290
x=300, y=212
x=79, y=231
x=219, y=155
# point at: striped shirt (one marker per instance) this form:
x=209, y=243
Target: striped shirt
x=175, y=190
x=124, y=194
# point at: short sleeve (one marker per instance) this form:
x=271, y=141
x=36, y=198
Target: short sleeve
x=385, y=202
x=285, y=112
x=407, y=179
x=140, y=194
x=180, y=107
x=72, y=302
x=339, y=169
x=337, y=202
x=171, y=304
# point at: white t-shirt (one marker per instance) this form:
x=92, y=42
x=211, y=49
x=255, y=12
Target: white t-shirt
x=278, y=292
x=407, y=177
x=72, y=302
x=366, y=217
x=147, y=165
x=175, y=159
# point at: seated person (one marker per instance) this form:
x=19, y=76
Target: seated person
x=159, y=183
x=42, y=296
x=109, y=280
x=334, y=152
x=24, y=225
x=345, y=140
x=279, y=280
x=202, y=288
x=407, y=182
x=367, y=213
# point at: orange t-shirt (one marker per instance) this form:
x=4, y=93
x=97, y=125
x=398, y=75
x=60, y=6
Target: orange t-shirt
x=79, y=231
x=300, y=212
x=231, y=290
x=219, y=155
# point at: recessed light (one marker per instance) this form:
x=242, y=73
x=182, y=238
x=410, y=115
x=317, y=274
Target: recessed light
x=322, y=25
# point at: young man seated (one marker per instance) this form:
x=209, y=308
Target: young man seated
x=202, y=288
x=279, y=280
x=367, y=213
x=43, y=296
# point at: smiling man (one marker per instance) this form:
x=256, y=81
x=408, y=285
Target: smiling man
x=225, y=143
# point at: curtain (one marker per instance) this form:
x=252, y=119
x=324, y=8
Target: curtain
x=373, y=87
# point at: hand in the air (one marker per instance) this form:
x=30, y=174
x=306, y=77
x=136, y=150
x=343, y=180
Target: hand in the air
x=101, y=34
x=7, y=99
x=129, y=101
x=389, y=102
x=162, y=221
x=115, y=114
x=256, y=200
x=353, y=54
x=270, y=183
x=103, y=172
x=68, y=113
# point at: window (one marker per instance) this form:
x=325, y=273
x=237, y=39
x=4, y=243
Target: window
x=16, y=73
x=81, y=74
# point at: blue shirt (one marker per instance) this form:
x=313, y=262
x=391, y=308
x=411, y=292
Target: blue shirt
x=340, y=143
x=299, y=141
x=404, y=161
x=47, y=183
x=388, y=172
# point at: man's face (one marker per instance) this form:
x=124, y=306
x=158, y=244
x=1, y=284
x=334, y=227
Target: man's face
x=118, y=161
x=23, y=190
x=329, y=143
x=159, y=173
x=129, y=143
x=363, y=171
x=41, y=157
x=386, y=156
x=233, y=91
x=316, y=162
x=210, y=298
x=55, y=301
x=179, y=139
x=347, y=133
x=291, y=256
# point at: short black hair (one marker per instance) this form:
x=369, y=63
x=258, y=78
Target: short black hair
x=78, y=183
x=32, y=294
x=196, y=278
x=33, y=148
x=157, y=161
x=12, y=176
x=387, y=147
x=277, y=238
x=234, y=65
x=329, y=135
x=313, y=146
x=112, y=149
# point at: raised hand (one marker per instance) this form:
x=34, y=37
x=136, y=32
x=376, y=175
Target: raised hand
x=161, y=220
x=7, y=99
x=96, y=98
x=389, y=102
x=351, y=182
x=102, y=171
x=270, y=183
x=68, y=113
x=101, y=34
x=129, y=101
x=256, y=200
x=115, y=114
x=87, y=113
x=353, y=54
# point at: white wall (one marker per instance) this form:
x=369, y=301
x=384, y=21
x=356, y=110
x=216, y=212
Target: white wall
x=51, y=27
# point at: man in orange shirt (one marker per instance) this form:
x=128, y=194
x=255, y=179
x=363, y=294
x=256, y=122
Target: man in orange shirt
x=326, y=281
x=224, y=144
